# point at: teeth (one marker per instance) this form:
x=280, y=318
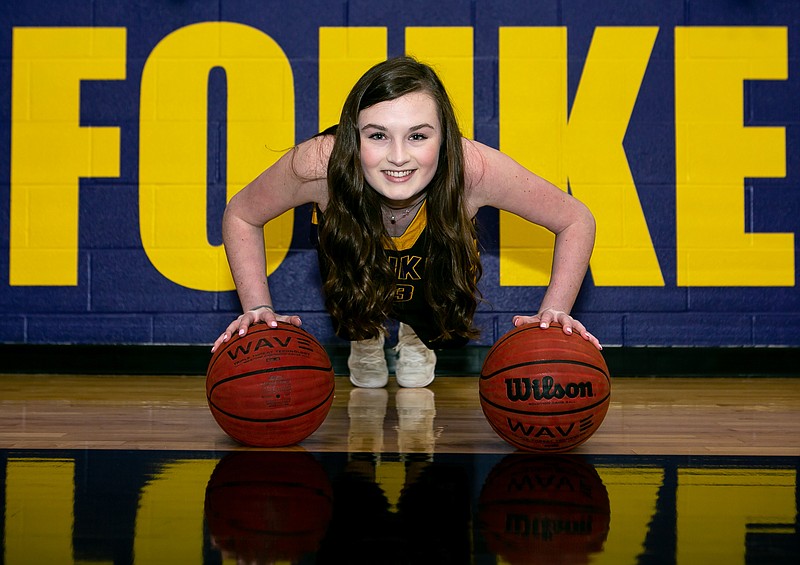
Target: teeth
x=398, y=174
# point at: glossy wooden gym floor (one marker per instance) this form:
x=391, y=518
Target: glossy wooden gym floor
x=114, y=469
x=647, y=416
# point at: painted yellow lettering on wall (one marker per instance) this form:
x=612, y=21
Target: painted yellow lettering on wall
x=583, y=150
x=450, y=51
x=715, y=151
x=50, y=150
x=173, y=143
x=345, y=53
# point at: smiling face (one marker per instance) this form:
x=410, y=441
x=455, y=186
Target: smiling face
x=400, y=141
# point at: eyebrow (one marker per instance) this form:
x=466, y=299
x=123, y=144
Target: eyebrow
x=383, y=128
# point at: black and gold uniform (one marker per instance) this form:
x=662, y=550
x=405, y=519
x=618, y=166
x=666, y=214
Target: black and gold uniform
x=408, y=261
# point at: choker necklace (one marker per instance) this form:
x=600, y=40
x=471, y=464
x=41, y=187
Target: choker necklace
x=394, y=219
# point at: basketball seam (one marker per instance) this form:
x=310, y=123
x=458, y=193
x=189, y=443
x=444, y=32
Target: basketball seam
x=544, y=362
x=299, y=485
x=529, y=413
x=555, y=448
x=255, y=329
x=269, y=370
x=534, y=500
x=264, y=420
x=514, y=332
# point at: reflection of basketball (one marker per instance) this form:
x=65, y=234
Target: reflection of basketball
x=543, y=390
x=271, y=387
x=268, y=506
x=544, y=509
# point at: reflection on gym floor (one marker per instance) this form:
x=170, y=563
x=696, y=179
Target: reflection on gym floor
x=301, y=507
x=372, y=503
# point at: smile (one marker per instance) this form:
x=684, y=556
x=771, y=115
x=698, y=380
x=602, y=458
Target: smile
x=398, y=174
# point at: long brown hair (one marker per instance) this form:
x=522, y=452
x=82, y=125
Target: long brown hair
x=359, y=286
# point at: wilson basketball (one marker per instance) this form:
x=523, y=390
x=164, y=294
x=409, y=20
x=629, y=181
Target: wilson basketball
x=271, y=387
x=268, y=506
x=536, y=508
x=543, y=390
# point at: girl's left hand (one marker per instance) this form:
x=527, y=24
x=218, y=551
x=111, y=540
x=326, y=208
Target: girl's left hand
x=567, y=322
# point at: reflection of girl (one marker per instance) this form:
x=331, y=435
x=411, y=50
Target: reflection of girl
x=397, y=188
x=431, y=524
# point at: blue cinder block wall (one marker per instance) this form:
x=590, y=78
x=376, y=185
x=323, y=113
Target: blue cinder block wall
x=125, y=126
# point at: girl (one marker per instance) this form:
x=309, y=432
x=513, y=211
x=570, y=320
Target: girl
x=395, y=189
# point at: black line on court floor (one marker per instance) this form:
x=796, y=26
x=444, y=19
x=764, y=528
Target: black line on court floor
x=85, y=359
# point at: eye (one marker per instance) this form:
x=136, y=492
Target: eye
x=379, y=135
x=418, y=137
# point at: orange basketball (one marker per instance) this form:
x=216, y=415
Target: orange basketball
x=268, y=506
x=271, y=387
x=550, y=509
x=543, y=390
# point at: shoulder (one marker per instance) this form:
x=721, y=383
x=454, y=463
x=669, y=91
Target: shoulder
x=305, y=169
x=310, y=158
x=480, y=163
x=495, y=179
x=298, y=177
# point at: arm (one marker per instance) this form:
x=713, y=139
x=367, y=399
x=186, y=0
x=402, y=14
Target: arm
x=297, y=178
x=494, y=179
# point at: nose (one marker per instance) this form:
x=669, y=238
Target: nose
x=397, y=153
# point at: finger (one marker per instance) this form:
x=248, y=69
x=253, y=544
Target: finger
x=584, y=333
x=570, y=325
x=593, y=340
x=224, y=337
x=294, y=320
x=270, y=318
x=545, y=319
x=244, y=324
x=520, y=320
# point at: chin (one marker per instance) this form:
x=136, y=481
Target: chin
x=400, y=194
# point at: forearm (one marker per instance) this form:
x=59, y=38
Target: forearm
x=244, y=247
x=573, y=248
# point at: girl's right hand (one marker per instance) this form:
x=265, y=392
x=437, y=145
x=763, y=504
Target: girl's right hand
x=261, y=314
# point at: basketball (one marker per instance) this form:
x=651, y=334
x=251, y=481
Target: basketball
x=536, y=508
x=544, y=391
x=268, y=506
x=272, y=387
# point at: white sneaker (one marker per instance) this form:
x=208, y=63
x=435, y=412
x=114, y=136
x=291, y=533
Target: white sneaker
x=415, y=362
x=367, y=363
